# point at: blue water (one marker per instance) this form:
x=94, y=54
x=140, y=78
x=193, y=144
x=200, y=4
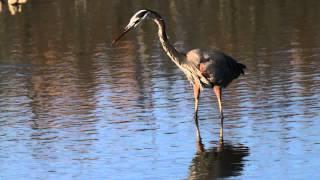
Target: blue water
x=73, y=107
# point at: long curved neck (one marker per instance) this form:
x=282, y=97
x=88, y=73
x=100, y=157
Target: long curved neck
x=171, y=51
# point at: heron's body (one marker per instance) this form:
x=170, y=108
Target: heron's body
x=218, y=68
x=215, y=70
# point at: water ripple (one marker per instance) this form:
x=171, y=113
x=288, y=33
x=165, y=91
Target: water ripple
x=71, y=106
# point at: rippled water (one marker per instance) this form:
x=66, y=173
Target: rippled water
x=73, y=107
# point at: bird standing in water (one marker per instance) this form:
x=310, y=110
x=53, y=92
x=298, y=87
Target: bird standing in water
x=215, y=70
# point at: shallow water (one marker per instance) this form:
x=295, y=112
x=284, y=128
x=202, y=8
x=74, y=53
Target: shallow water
x=73, y=107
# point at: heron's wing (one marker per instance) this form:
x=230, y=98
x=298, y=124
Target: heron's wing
x=221, y=69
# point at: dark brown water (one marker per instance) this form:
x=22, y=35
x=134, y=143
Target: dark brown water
x=73, y=107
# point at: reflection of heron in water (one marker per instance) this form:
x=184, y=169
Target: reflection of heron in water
x=203, y=70
x=226, y=160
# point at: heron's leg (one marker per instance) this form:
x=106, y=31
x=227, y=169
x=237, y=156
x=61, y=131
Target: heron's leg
x=217, y=91
x=196, y=93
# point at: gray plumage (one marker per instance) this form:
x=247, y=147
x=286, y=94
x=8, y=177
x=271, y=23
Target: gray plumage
x=218, y=68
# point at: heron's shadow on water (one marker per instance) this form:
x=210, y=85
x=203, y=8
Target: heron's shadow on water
x=223, y=160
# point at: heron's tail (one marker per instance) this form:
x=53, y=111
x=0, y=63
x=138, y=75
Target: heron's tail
x=241, y=67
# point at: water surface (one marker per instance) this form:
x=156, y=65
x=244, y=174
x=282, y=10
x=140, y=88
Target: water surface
x=73, y=107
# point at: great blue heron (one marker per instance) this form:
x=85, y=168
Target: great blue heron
x=203, y=70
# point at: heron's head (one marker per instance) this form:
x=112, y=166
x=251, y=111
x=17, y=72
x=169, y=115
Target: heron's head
x=135, y=20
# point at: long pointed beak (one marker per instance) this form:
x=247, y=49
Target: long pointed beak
x=126, y=29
